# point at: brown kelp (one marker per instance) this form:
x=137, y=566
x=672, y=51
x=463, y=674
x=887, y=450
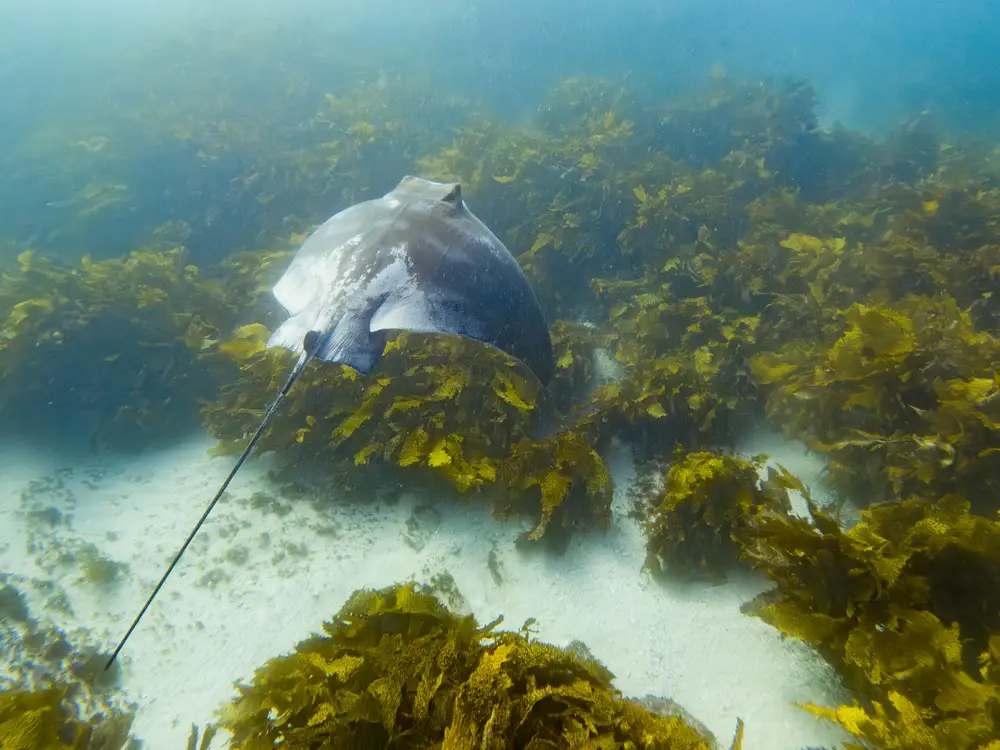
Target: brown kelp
x=703, y=262
x=397, y=669
x=53, y=693
x=708, y=505
x=904, y=603
x=118, y=336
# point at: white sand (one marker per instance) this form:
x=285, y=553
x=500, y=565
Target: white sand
x=689, y=643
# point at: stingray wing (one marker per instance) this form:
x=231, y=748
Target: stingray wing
x=462, y=280
x=330, y=272
x=324, y=258
x=414, y=260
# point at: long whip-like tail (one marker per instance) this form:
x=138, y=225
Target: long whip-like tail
x=299, y=368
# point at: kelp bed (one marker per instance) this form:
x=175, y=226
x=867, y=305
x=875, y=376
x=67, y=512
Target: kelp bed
x=704, y=263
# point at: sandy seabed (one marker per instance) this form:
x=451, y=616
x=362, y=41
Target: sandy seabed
x=267, y=570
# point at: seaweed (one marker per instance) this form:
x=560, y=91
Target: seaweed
x=704, y=263
x=708, y=504
x=206, y=737
x=119, y=337
x=901, y=397
x=48, y=720
x=904, y=603
x=446, y=406
x=557, y=465
x=395, y=668
x=53, y=691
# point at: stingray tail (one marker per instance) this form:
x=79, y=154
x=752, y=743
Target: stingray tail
x=312, y=343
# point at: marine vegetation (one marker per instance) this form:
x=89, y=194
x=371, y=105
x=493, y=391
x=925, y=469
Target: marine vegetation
x=396, y=669
x=53, y=694
x=902, y=397
x=118, y=337
x=709, y=505
x=905, y=603
x=704, y=263
x=443, y=404
x=47, y=719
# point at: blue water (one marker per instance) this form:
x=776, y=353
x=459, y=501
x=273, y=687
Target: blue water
x=74, y=65
x=94, y=66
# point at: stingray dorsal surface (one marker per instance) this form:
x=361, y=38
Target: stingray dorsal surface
x=416, y=259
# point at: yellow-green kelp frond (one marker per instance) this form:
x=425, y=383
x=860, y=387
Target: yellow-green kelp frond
x=445, y=406
x=396, y=669
x=708, y=509
x=905, y=604
x=901, y=397
x=54, y=693
x=47, y=719
x=898, y=724
x=558, y=465
x=680, y=360
x=119, y=336
x=440, y=402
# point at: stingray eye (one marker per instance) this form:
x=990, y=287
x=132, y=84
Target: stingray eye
x=454, y=195
x=310, y=340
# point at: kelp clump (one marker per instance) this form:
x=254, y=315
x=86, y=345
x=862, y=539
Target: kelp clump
x=902, y=397
x=451, y=407
x=117, y=338
x=123, y=340
x=709, y=503
x=49, y=720
x=905, y=603
x=54, y=694
x=396, y=669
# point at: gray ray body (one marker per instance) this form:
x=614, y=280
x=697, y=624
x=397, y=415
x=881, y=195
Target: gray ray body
x=416, y=259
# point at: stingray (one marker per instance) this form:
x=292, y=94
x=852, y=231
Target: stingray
x=416, y=259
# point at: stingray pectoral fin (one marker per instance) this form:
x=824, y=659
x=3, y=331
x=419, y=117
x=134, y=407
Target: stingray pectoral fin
x=428, y=313
x=291, y=334
x=519, y=332
x=352, y=343
x=297, y=289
